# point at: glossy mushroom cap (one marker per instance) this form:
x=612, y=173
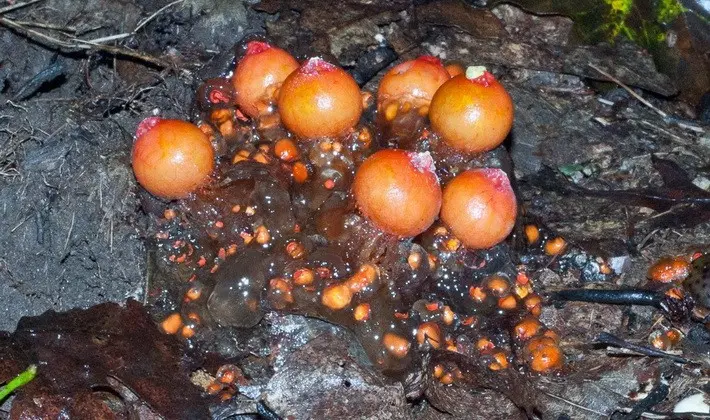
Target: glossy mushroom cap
x=415, y=80
x=398, y=191
x=258, y=75
x=479, y=207
x=319, y=100
x=171, y=158
x=473, y=113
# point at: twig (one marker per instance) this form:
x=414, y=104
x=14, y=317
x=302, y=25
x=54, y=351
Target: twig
x=71, y=228
x=666, y=132
x=17, y=6
x=646, y=238
x=153, y=16
x=116, y=37
x=38, y=36
x=22, y=222
x=124, y=35
x=674, y=416
x=605, y=338
x=628, y=89
x=573, y=404
x=83, y=45
x=66, y=29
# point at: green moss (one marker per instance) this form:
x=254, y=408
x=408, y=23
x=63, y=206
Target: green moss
x=641, y=21
x=619, y=11
x=668, y=10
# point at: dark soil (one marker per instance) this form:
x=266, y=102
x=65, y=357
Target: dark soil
x=72, y=226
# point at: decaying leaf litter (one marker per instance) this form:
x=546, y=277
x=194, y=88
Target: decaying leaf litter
x=73, y=225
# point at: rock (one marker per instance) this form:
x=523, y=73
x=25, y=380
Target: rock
x=321, y=380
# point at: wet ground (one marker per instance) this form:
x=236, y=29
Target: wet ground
x=73, y=230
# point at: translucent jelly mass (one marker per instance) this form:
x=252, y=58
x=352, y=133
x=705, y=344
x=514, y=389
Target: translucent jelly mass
x=236, y=298
x=280, y=228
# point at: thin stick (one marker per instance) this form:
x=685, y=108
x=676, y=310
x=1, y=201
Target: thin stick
x=37, y=36
x=51, y=26
x=71, y=228
x=628, y=89
x=128, y=34
x=103, y=39
x=83, y=45
x=151, y=17
x=17, y=6
x=573, y=404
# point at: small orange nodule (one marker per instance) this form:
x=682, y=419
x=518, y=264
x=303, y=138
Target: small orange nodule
x=533, y=303
x=194, y=317
x=262, y=235
x=171, y=158
x=484, y=344
x=193, y=293
x=555, y=246
x=414, y=260
x=398, y=191
x=337, y=296
x=261, y=158
x=455, y=69
x=365, y=137
x=363, y=278
x=453, y=244
x=414, y=81
x=447, y=315
x=438, y=371
x=669, y=269
x=396, y=345
x=188, y=331
x=220, y=116
x=447, y=379
x=522, y=278
x=300, y=172
x=390, y=110
x=500, y=361
x=604, y=268
x=527, y=328
x=172, y=323
x=258, y=73
x=522, y=291
x=228, y=374
x=214, y=388
x=477, y=293
x=479, y=207
x=532, y=233
x=169, y=214
x=674, y=335
x=675, y=293
x=295, y=249
x=362, y=312
x=472, y=115
x=660, y=341
x=303, y=277
x=497, y=284
x=280, y=294
x=507, y=302
x=286, y=150
x=319, y=99
x=429, y=332
x=543, y=354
